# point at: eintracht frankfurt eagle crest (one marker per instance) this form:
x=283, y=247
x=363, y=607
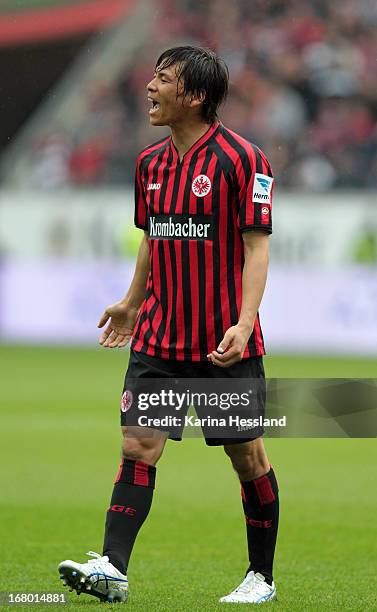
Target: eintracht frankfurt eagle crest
x=201, y=186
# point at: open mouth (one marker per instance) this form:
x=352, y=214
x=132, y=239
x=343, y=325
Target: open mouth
x=155, y=106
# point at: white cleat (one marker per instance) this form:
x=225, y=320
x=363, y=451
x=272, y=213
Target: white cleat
x=96, y=577
x=253, y=589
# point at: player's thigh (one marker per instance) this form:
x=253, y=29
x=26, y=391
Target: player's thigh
x=143, y=443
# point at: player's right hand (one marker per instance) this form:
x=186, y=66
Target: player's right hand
x=120, y=327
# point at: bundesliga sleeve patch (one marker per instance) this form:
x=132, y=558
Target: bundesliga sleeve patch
x=262, y=188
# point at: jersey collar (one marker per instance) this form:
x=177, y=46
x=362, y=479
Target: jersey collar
x=197, y=145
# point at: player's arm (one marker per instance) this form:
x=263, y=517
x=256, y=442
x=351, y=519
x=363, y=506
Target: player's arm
x=136, y=293
x=123, y=314
x=254, y=276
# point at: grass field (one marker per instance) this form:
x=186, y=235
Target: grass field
x=60, y=452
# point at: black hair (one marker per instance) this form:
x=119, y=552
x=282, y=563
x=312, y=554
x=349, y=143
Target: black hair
x=202, y=73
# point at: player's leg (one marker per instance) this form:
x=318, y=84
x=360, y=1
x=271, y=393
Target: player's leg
x=132, y=494
x=105, y=577
x=141, y=449
x=260, y=499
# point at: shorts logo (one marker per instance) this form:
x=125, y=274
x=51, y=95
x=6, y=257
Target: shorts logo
x=265, y=210
x=262, y=188
x=201, y=186
x=153, y=186
x=126, y=402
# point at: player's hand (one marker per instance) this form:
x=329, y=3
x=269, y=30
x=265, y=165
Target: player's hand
x=231, y=347
x=120, y=327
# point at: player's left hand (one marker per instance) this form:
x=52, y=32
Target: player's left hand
x=231, y=347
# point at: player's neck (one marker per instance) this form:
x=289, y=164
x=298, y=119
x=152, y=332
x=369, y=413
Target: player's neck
x=185, y=135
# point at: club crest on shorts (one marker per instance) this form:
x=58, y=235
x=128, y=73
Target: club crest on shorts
x=201, y=185
x=265, y=210
x=127, y=399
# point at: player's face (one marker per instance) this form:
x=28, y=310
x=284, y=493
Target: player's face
x=168, y=105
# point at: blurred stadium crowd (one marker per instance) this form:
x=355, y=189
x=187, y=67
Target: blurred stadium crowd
x=303, y=87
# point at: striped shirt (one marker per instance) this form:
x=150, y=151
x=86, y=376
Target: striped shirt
x=195, y=210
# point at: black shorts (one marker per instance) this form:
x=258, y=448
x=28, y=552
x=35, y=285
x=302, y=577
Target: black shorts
x=142, y=366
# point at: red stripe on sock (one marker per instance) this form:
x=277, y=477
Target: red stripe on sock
x=264, y=490
x=141, y=474
x=119, y=472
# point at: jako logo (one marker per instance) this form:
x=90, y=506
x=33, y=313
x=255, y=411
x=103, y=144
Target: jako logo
x=153, y=186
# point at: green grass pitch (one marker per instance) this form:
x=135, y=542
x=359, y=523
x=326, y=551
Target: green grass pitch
x=59, y=455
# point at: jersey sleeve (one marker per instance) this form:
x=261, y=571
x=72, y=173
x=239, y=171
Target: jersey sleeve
x=141, y=210
x=255, y=184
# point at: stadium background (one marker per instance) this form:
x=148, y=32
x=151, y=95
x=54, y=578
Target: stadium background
x=74, y=116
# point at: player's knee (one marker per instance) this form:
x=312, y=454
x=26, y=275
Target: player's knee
x=249, y=459
x=136, y=450
x=148, y=450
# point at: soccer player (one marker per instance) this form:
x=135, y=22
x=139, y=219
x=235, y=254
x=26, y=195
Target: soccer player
x=203, y=198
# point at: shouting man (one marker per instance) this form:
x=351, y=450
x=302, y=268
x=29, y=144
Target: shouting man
x=203, y=198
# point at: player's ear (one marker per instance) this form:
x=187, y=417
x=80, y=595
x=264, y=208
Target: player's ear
x=197, y=100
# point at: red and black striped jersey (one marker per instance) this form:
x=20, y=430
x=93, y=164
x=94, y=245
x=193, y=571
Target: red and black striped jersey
x=195, y=211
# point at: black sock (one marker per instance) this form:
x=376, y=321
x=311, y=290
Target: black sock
x=260, y=501
x=129, y=507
